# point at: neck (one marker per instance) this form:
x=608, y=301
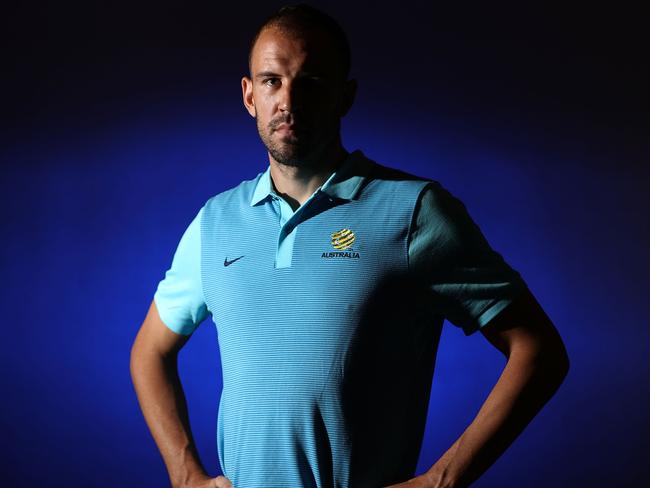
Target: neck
x=297, y=183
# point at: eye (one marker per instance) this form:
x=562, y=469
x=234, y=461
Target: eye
x=314, y=82
x=271, y=81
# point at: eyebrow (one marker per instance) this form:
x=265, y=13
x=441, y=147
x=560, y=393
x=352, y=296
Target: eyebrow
x=271, y=74
x=266, y=74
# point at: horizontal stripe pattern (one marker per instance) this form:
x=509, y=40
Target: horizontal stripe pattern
x=288, y=336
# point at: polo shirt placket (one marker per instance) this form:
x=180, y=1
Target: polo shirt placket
x=289, y=220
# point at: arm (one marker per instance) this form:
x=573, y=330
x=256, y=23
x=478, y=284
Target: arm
x=537, y=363
x=449, y=251
x=155, y=377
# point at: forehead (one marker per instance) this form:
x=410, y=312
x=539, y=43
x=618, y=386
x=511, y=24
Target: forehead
x=280, y=49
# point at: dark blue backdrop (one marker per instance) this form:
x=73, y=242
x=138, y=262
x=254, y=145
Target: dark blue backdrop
x=119, y=124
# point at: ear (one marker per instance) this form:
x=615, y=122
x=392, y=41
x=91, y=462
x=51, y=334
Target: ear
x=247, y=95
x=349, y=94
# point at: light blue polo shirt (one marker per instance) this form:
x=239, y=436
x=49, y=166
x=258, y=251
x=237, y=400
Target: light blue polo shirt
x=328, y=319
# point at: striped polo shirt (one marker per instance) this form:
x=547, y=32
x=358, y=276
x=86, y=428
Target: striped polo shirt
x=328, y=319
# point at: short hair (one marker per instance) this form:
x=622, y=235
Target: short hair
x=302, y=19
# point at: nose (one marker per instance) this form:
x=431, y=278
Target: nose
x=290, y=98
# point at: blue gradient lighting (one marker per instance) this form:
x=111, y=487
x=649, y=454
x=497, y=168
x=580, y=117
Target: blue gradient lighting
x=104, y=171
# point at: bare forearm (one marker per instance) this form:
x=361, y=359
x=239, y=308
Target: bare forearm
x=164, y=407
x=525, y=385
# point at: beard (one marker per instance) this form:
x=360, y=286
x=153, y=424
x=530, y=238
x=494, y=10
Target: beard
x=290, y=150
x=297, y=150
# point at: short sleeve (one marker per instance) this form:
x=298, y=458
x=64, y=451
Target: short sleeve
x=179, y=296
x=470, y=283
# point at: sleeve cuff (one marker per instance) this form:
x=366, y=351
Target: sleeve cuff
x=171, y=321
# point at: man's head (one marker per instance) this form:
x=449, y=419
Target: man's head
x=298, y=89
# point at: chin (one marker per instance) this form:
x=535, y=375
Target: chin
x=292, y=158
x=290, y=150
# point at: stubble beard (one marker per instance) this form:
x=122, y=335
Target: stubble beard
x=289, y=150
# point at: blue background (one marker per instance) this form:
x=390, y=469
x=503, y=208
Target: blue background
x=118, y=123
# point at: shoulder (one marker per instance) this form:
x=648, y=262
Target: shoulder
x=432, y=199
x=388, y=173
x=395, y=183
x=441, y=221
x=436, y=201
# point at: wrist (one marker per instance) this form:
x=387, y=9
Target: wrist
x=188, y=475
x=190, y=481
x=440, y=477
x=185, y=468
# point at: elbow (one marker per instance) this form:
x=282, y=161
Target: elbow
x=558, y=358
x=554, y=364
x=138, y=358
x=548, y=361
x=556, y=370
x=136, y=350
x=562, y=364
x=134, y=359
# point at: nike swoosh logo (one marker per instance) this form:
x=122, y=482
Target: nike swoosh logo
x=228, y=263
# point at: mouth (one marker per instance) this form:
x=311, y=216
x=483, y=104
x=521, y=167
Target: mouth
x=289, y=129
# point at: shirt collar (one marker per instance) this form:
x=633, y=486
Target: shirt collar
x=344, y=183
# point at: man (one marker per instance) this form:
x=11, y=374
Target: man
x=328, y=277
